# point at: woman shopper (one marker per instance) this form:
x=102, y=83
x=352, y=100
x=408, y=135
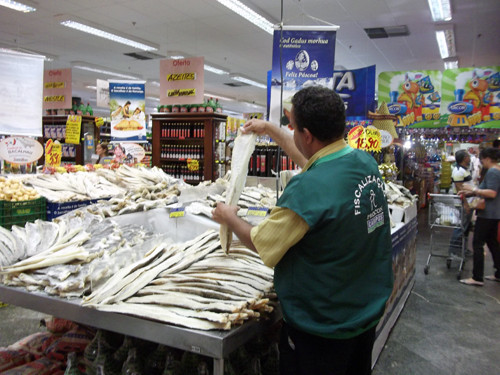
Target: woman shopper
x=486, y=227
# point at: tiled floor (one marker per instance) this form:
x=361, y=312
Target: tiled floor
x=445, y=327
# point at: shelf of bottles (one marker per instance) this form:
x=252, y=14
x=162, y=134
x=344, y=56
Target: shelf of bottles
x=264, y=161
x=184, y=144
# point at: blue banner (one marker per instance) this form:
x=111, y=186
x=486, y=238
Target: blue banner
x=307, y=56
x=127, y=105
x=357, y=89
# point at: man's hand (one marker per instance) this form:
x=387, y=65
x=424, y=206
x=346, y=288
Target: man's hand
x=223, y=213
x=256, y=126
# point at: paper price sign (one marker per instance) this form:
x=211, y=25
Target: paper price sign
x=177, y=212
x=73, y=129
x=53, y=153
x=193, y=165
x=257, y=211
x=368, y=139
x=99, y=121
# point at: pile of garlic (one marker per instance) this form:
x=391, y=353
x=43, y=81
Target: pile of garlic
x=13, y=191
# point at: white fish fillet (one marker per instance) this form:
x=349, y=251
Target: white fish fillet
x=244, y=144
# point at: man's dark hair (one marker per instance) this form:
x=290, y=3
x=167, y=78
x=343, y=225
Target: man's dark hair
x=321, y=111
x=460, y=155
x=496, y=143
x=490, y=152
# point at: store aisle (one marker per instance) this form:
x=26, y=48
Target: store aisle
x=445, y=328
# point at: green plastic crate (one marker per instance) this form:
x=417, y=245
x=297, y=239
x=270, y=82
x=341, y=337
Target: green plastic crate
x=19, y=213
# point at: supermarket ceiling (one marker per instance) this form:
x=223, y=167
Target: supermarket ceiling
x=227, y=41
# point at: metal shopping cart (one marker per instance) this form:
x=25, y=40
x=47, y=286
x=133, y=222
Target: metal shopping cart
x=447, y=214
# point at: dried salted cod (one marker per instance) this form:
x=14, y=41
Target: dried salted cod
x=244, y=144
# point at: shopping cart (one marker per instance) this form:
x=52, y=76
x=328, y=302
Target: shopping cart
x=446, y=214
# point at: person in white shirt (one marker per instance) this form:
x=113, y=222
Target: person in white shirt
x=460, y=175
x=475, y=165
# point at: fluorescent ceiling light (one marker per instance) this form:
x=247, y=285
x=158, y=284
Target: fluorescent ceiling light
x=446, y=43
x=177, y=57
x=155, y=83
x=91, y=87
x=440, y=10
x=105, y=72
x=451, y=64
x=106, y=35
x=152, y=98
x=247, y=13
x=215, y=70
x=249, y=81
x=17, y=6
x=218, y=97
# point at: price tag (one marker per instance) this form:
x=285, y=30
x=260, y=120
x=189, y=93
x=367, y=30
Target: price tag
x=177, y=212
x=353, y=136
x=193, y=165
x=368, y=139
x=257, y=211
x=73, y=129
x=53, y=153
x=99, y=121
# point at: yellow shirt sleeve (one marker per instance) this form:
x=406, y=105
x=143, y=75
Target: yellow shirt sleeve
x=276, y=234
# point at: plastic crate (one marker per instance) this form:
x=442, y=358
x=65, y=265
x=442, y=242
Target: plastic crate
x=55, y=209
x=19, y=213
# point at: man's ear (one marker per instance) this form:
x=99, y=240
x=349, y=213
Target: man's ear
x=308, y=137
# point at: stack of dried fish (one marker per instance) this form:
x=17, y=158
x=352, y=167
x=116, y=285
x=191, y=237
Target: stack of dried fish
x=399, y=195
x=195, y=285
x=79, y=260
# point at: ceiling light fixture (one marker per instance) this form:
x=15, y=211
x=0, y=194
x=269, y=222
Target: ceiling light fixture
x=91, y=87
x=218, y=96
x=17, y=6
x=176, y=57
x=107, y=35
x=153, y=98
x=215, y=70
x=155, y=83
x=105, y=72
x=451, y=64
x=440, y=10
x=247, y=13
x=249, y=81
x=446, y=42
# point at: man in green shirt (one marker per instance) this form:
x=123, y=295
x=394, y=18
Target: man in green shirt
x=328, y=239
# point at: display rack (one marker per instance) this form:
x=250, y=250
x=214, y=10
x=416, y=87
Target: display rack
x=54, y=127
x=200, y=137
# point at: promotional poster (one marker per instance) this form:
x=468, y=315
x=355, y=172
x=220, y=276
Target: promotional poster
x=307, y=55
x=57, y=89
x=127, y=104
x=471, y=97
x=414, y=97
x=182, y=81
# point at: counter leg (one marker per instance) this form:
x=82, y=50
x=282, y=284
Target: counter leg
x=218, y=366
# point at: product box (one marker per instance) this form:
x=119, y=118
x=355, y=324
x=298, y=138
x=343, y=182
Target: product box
x=19, y=213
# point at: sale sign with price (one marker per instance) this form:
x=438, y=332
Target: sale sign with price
x=368, y=139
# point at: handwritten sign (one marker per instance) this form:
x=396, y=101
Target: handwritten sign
x=73, y=129
x=193, y=165
x=368, y=139
x=53, y=153
x=177, y=212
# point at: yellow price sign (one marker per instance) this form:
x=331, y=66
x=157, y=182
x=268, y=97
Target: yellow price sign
x=193, y=165
x=257, y=211
x=53, y=153
x=73, y=129
x=99, y=121
x=368, y=139
x=177, y=212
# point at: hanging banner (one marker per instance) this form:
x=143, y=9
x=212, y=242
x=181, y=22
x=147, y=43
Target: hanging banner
x=22, y=94
x=127, y=104
x=182, y=81
x=57, y=89
x=308, y=56
x=73, y=129
x=20, y=150
x=357, y=89
x=471, y=97
x=53, y=153
x=412, y=96
x=102, y=93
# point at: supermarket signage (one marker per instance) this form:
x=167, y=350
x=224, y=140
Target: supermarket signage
x=385, y=138
x=367, y=139
x=99, y=121
x=182, y=81
x=73, y=129
x=20, y=150
x=57, y=89
x=134, y=153
x=181, y=92
x=193, y=165
x=177, y=212
x=53, y=153
x=257, y=211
